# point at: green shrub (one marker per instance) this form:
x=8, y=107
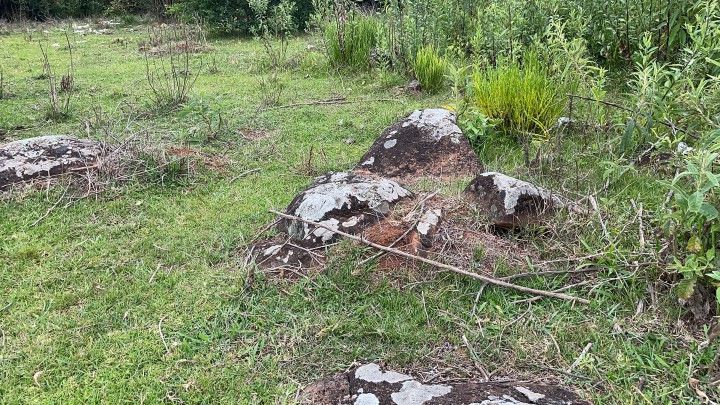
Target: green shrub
x=232, y=16
x=349, y=43
x=429, y=68
x=523, y=100
x=44, y=9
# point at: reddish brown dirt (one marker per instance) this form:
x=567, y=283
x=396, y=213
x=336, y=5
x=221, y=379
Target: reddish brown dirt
x=214, y=162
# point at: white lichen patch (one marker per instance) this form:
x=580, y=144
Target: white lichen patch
x=371, y=372
x=340, y=191
x=28, y=158
x=323, y=198
x=286, y=259
x=438, y=123
x=367, y=399
x=326, y=234
x=505, y=400
x=369, y=162
x=389, y=144
x=513, y=189
x=272, y=250
x=415, y=393
x=532, y=396
x=352, y=221
x=428, y=220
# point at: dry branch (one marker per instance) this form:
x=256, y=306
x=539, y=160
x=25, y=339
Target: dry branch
x=486, y=279
x=338, y=101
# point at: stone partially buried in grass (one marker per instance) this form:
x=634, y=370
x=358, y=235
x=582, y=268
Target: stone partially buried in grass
x=509, y=202
x=45, y=156
x=370, y=384
x=426, y=143
x=344, y=201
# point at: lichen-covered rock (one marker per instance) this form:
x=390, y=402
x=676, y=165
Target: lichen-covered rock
x=344, y=201
x=426, y=143
x=369, y=384
x=276, y=254
x=509, y=202
x=45, y=156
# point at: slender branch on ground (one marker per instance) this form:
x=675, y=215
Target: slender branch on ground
x=332, y=102
x=580, y=357
x=623, y=108
x=162, y=336
x=486, y=279
x=550, y=273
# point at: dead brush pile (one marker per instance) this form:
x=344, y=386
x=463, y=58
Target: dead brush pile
x=165, y=40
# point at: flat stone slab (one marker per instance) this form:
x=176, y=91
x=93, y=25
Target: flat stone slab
x=370, y=384
x=509, y=202
x=44, y=156
x=426, y=143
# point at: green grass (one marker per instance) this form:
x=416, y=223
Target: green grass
x=523, y=99
x=429, y=68
x=350, y=44
x=137, y=296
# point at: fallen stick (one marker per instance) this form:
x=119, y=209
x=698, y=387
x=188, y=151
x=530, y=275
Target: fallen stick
x=243, y=174
x=551, y=273
x=331, y=102
x=486, y=279
x=579, y=358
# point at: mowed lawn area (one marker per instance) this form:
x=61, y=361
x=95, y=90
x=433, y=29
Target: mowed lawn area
x=136, y=294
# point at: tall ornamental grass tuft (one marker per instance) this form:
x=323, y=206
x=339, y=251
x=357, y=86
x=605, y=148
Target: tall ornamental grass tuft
x=429, y=68
x=524, y=100
x=350, y=42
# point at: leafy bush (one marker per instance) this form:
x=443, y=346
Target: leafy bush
x=524, y=100
x=232, y=16
x=694, y=221
x=44, y=9
x=429, y=68
x=349, y=42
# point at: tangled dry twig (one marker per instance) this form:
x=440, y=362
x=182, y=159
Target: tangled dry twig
x=481, y=277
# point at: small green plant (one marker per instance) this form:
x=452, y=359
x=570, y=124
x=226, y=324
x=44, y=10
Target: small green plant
x=350, y=40
x=695, y=222
x=459, y=78
x=59, y=93
x=168, y=75
x=273, y=23
x=430, y=68
x=3, y=93
x=273, y=29
x=523, y=99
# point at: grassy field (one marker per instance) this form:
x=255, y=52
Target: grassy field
x=137, y=295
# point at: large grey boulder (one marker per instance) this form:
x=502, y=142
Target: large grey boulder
x=45, y=156
x=426, y=143
x=509, y=202
x=344, y=201
x=370, y=384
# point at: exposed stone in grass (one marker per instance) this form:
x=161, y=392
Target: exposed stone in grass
x=509, y=202
x=345, y=201
x=426, y=143
x=370, y=384
x=45, y=156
